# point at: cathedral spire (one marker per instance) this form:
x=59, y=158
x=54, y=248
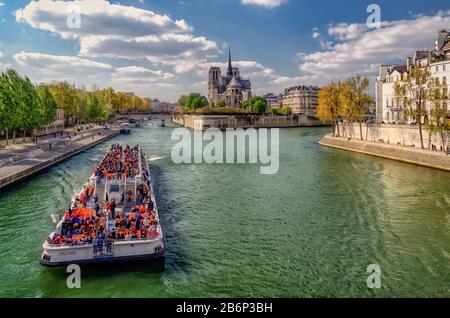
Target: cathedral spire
x=230, y=68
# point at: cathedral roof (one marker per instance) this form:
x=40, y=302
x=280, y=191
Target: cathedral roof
x=235, y=83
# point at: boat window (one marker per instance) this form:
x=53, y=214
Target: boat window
x=114, y=188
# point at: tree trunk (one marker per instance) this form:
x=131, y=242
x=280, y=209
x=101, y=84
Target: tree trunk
x=14, y=136
x=7, y=136
x=443, y=141
x=337, y=126
x=360, y=130
x=421, y=134
x=367, y=131
x=23, y=135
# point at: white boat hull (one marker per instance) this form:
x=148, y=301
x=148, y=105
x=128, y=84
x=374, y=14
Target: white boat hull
x=121, y=251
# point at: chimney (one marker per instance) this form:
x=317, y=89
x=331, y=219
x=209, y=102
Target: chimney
x=442, y=38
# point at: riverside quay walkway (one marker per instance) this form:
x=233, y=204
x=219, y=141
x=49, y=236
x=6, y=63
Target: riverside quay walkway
x=21, y=161
x=422, y=157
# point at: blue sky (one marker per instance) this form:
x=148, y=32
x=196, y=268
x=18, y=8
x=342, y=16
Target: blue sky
x=163, y=48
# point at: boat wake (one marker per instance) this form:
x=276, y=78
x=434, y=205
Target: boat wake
x=155, y=158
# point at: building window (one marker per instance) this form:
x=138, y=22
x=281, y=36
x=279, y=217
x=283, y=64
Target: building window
x=444, y=80
x=444, y=67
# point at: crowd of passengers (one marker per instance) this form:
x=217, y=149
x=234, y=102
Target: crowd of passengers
x=83, y=225
x=112, y=166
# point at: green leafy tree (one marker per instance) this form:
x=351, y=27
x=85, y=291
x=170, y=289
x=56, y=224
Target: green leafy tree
x=195, y=100
x=95, y=111
x=285, y=111
x=47, y=106
x=256, y=104
x=182, y=101
x=8, y=118
x=221, y=104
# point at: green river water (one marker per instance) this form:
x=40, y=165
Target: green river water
x=311, y=230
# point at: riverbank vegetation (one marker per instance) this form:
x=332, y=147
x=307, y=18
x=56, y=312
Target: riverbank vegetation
x=345, y=100
x=26, y=107
x=198, y=104
x=424, y=100
x=421, y=97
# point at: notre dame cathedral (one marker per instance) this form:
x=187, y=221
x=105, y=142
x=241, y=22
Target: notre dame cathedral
x=231, y=89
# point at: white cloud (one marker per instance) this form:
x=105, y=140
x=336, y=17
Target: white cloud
x=139, y=75
x=345, y=32
x=269, y=4
x=362, y=50
x=80, y=71
x=57, y=65
x=98, y=17
x=164, y=49
x=119, y=31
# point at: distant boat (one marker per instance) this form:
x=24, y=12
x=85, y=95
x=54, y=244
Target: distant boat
x=125, y=129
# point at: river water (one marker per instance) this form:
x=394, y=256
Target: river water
x=311, y=230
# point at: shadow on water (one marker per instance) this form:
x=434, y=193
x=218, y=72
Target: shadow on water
x=100, y=270
x=175, y=255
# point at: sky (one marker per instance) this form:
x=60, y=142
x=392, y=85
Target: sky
x=164, y=48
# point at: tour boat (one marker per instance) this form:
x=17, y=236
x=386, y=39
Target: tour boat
x=125, y=128
x=125, y=190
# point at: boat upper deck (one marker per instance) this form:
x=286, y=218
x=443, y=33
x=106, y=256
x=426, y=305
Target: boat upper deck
x=116, y=204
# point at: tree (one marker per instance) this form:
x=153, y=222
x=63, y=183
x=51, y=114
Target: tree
x=221, y=104
x=124, y=102
x=182, y=101
x=355, y=101
x=412, y=93
x=95, y=112
x=65, y=96
x=330, y=108
x=136, y=103
x=7, y=105
x=195, y=100
x=146, y=105
x=48, y=105
x=256, y=104
x=81, y=105
x=285, y=111
x=438, y=99
x=106, y=99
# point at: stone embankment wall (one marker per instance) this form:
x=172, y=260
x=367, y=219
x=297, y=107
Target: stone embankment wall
x=404, y=135
x=203, y=122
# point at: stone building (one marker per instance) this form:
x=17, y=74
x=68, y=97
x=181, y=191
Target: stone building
x=231, y=89
x=302, y=99
x=273, y=101
x=437, y=62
